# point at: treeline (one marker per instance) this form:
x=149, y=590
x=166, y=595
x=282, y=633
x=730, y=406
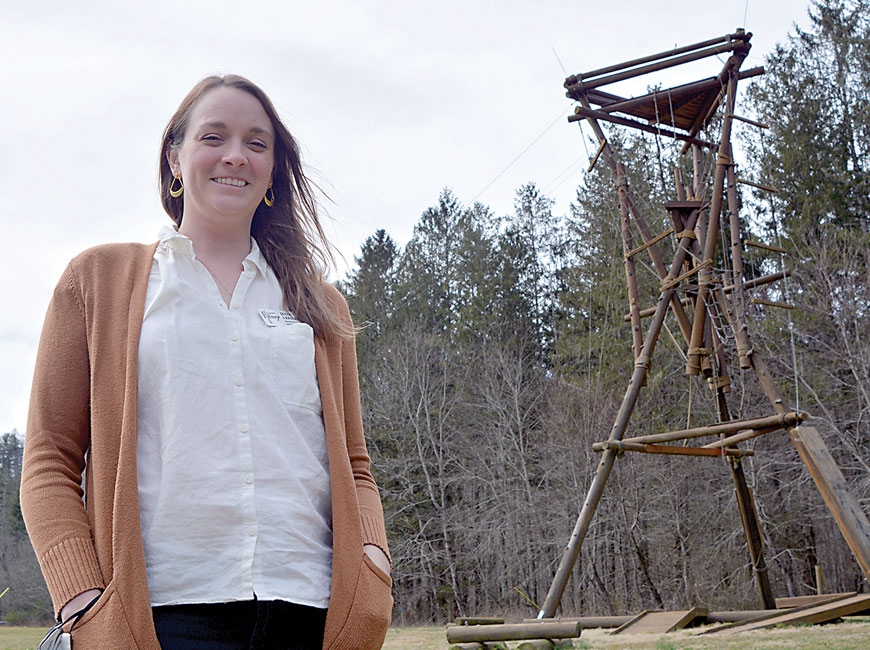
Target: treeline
x=495, y=352
x=24, y=596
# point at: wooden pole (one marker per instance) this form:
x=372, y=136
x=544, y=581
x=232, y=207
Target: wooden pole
x=536, y=644
x=664, y=55
x=820, y=579
x=591, y=621
x=630, y=271
x=752, y=532
x=742, y=437
x=639, y=219
x=670, y=450
x=581, y=113
x=513, y=632
x=641, y=365
x=626, y=105
x=748, y=285
x=780, y=421
x=580, y=83
x=829, y=480
x=737, y=296
x=705, y=278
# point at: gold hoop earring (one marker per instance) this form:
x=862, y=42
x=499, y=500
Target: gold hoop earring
x=269, y=201
x=173, y=191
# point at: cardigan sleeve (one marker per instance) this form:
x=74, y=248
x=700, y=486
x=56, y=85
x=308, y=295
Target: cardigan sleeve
x=368, y=496
x=55, y=446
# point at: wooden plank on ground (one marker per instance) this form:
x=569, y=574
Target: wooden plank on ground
x=764, y=615
x=813, y=615
x=630, y=622
x=816, y=599
x=661, y=622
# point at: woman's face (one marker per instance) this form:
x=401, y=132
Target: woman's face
x=226, y=159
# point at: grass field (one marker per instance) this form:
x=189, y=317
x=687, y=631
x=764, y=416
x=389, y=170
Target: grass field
x=842, y=636
x=851, y=635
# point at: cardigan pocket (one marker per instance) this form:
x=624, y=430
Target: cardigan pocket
x=369, y=618
x=105, y=626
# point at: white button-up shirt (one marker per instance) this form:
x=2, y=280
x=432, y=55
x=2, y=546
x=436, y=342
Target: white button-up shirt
x=232, y=462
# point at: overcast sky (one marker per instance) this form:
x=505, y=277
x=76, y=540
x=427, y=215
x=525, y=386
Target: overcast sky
x=392, y=101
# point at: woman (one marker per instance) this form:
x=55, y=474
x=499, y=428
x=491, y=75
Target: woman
x=206, y=389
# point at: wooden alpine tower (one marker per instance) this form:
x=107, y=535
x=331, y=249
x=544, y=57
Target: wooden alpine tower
x=702, y=284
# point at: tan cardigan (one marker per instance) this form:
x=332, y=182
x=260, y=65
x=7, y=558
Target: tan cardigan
x=84, y=405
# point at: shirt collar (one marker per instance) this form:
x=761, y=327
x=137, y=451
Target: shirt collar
x=169, y=237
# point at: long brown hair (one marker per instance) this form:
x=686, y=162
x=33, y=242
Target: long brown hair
x=289, y=233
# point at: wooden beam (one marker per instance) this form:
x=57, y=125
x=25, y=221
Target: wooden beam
x=581, y=113
x=626, y=105
x=652, y=242
x=766, y=188
x=748, y=285
x=767, y=247
x=771, y=303
x=782, y=420
x=740, y=615
x=477, y=620
x=829, y=479
x=579, y=83
x=760, y=281
x=752, y=532
x=669, y=450
x=587, y=622
x=661, y=55
x=741, y=437
x=693, y=271
x=760, y=125
x=596, y=156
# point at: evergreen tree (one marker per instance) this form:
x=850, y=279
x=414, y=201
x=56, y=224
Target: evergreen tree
x=815, y=97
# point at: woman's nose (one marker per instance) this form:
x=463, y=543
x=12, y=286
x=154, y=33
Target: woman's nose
x=234, y=154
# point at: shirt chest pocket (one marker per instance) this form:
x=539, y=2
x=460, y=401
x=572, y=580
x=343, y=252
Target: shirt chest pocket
x=291, y=365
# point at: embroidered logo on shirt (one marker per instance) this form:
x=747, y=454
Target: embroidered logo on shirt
x=273, y=318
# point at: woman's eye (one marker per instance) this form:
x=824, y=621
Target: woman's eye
x=211, y=138
x=259, y=144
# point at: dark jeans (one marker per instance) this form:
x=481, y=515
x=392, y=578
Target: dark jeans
x=245, y=625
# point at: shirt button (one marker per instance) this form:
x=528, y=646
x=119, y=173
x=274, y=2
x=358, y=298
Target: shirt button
x=243, y=428
x=234, y=338
x=249, y=479
x=251, y=531
x=238, y=381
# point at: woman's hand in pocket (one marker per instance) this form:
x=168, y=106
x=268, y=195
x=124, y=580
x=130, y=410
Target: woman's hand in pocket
x=78, y=603
x=377, y=556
